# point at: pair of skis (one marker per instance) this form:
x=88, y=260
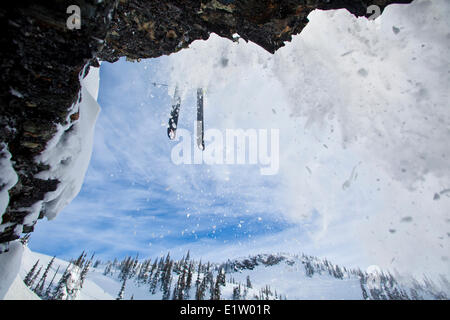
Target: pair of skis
x=173, y=120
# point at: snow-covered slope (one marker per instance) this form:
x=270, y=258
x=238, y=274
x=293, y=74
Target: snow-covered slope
x=289, y=277
x=19, y=291
x=266, y=276
x=10, y=262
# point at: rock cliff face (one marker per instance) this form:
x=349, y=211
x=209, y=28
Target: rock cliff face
x=42, y=62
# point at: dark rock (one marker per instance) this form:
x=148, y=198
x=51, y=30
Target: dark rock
x=41, y=61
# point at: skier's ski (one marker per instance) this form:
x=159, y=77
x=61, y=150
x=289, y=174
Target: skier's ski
x=200, y=127
x=173, y=121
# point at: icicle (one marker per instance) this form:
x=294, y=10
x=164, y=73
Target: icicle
x=173, y=121
x=200, y=126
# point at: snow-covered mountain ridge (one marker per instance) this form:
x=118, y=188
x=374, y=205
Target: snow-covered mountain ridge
x=259, y=277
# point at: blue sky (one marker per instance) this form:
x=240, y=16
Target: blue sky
x=134, y=199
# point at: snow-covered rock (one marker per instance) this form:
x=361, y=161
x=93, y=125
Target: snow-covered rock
x=68, y=155
x=69, y=152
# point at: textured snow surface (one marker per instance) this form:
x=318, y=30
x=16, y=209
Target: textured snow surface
x=69, y=152
x=19, y=291
x=8, y=179
x=10, y=264
x=292, y=282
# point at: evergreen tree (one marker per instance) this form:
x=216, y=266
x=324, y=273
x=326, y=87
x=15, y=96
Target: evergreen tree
x=135, y=265
x=49, y=287
x=364, y=292
x=338, y=273
x=60, y=291
x=144, y=271
x=164, y=272
x=188, y=279
x=221, y=277
x=80, y=260
x=96, y=263
x=175, y=292
x=200, y=293
x=33, y=280
x=249, y=283
x=24, y=240
x=166, y=281
x=244, y=294
x=30, y=274
x=166, y=290
x=108, y=269
x=85, y=270
x=309, y=269
x=181, y=285
x=154, y=282
x=210, y=279
x=414, y=294
x=404, y=295
x=396, y=295
x=216, y=292
x=377, y=294
x=40, y=285
x=160, y=272
x=122, y=290
x=237, y=293
x=198, y=281
x=266, y=293
x=153, y=269
x=125, y=268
